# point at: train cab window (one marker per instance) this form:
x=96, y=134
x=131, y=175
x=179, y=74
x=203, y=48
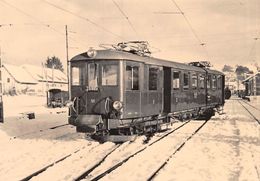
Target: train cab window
x=92, y=76
x=219, y=83
x=78, y=75
x=201, y=81
x=209, y=81
x=194, y=81
x=185, y=81
x=132, y=78
x=153, y=78
x=214, y=82
x=75, y=76
x=176, y=80
x=109, y=75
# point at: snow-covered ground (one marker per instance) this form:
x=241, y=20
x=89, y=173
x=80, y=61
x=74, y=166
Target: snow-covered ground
x=15, y=106
x=226, y=148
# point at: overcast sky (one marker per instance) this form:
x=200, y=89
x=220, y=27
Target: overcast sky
x=227, y=29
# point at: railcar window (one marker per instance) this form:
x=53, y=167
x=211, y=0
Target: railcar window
x=214, y=82
x=132, y=78
x=75, y=76
x=92, y=76
x=185, y=81
x=176, y=80
x=209, y=82
x=194, y=80
x=109, y=74
x=219, y=82
x=153, y=78
x=201, y=81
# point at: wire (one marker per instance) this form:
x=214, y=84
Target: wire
x=253, y=47
x=83, y=18
x=30, y=16
x=190, y=26
x=126, y=17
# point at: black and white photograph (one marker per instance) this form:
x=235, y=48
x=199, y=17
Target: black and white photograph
x=130, y=90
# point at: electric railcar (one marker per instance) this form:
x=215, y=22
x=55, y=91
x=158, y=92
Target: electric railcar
x=117, y=94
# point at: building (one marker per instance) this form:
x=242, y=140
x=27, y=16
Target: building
x=32, y=80
x=47, y=78
x=252, y=85
x=15, y=80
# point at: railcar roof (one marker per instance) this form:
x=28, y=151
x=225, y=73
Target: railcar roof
x=120, y=55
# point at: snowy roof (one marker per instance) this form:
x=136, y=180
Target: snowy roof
x=19, y=74
x=45, y=74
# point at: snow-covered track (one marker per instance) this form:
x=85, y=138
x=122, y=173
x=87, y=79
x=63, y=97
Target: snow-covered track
x=251, y=105
x=86, y=173
x=52, y=164
x=153, y=175
x=118, y=164
x=45, y=168
x=250, y=112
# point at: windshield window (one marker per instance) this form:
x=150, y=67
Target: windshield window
x=75, y=76
x=92, y=76
x=109, y=74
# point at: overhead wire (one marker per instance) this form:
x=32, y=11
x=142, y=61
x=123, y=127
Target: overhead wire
x=30, y=16
x=126, y=17
x=251, y=51
x=83, y=18
x=191, y=28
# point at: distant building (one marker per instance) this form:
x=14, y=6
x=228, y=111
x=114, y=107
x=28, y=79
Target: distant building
x=32, y=80
x=252, y=84
x=47, y=78
x=15, y=80
x=234, y=82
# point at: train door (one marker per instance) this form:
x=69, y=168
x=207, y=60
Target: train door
x=152, y=101
x=133, y=79
x=167, y=89
x=92, y=95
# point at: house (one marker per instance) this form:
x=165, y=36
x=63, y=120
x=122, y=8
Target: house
x=47, y=78
x=252, y=84
x=15, y=80
x=32, y=80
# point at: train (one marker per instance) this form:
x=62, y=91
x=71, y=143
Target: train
x=120, y=92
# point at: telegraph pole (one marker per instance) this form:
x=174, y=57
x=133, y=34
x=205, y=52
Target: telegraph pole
x=68, y=62
x=1, y=92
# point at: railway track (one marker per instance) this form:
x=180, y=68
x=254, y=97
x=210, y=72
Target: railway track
x=118, y=164
x=30, y=176
x=251, y=105
x=153, y=175
x=250, y=112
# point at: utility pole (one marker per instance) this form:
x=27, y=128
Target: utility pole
x=68, y=62
x=1, y=92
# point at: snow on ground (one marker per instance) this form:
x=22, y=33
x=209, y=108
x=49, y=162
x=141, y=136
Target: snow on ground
x=143, y=164
x=76, y=164
x=16, y=105
x=227, y=148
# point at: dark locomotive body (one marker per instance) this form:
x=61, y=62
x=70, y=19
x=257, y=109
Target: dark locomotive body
x=119, y=93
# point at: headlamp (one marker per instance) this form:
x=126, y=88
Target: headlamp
x=91, y=53
x=117, y=105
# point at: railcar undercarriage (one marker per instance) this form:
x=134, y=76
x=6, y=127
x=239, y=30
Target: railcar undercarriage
x=120, y=130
